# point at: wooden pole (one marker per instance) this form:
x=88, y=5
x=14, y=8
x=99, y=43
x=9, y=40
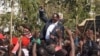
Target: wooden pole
x=11, y=21
x=20, y=46
x=93, y=6
x=76, y=15
x=94, y=27
x=11, y=26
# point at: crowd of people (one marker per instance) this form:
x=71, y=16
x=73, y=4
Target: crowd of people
x=53, y=40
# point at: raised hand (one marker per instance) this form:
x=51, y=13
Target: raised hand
x=41, y=8
x=69, y=32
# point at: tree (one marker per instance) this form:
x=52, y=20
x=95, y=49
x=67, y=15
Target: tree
x=73, y=10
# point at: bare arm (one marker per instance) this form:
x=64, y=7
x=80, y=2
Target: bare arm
x=42, y=15
x=34, y=50
x=72, y=52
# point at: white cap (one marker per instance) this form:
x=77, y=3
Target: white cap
x=6, y=29
x=60, y=15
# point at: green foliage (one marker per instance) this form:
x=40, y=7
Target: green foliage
x=5, y=18
x=72, y=10
x=31, y=8
x=97, y=9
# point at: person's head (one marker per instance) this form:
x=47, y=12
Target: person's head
x=60, y=16
x=42, y=52
x=55, y=17
x=89, y=33
x=26, y=27
x=61, y=53
x=61, y=19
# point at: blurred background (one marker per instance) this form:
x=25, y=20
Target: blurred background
x=26, y=11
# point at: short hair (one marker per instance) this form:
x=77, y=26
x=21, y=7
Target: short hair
x=60, y=53
x=42, y=52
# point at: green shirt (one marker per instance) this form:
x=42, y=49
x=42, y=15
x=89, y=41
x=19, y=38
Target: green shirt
x=38, y=41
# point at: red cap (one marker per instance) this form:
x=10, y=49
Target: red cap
x=14, y=40
x=25, y=41
x=1, y=36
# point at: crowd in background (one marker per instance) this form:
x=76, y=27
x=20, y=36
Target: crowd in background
x=53, y=40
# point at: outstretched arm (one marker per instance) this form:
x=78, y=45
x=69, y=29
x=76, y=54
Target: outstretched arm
x=42, y=15
x=72, y=52
x=34, y=50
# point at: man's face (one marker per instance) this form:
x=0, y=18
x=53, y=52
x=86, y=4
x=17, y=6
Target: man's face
x=55, y=17
x=89, y=33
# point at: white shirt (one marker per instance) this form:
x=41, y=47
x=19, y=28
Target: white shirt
x=49, y=30
x=25, y=51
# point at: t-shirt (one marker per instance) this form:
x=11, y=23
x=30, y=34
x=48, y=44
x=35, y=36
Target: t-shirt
x=25, y=51
x=38, y=41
